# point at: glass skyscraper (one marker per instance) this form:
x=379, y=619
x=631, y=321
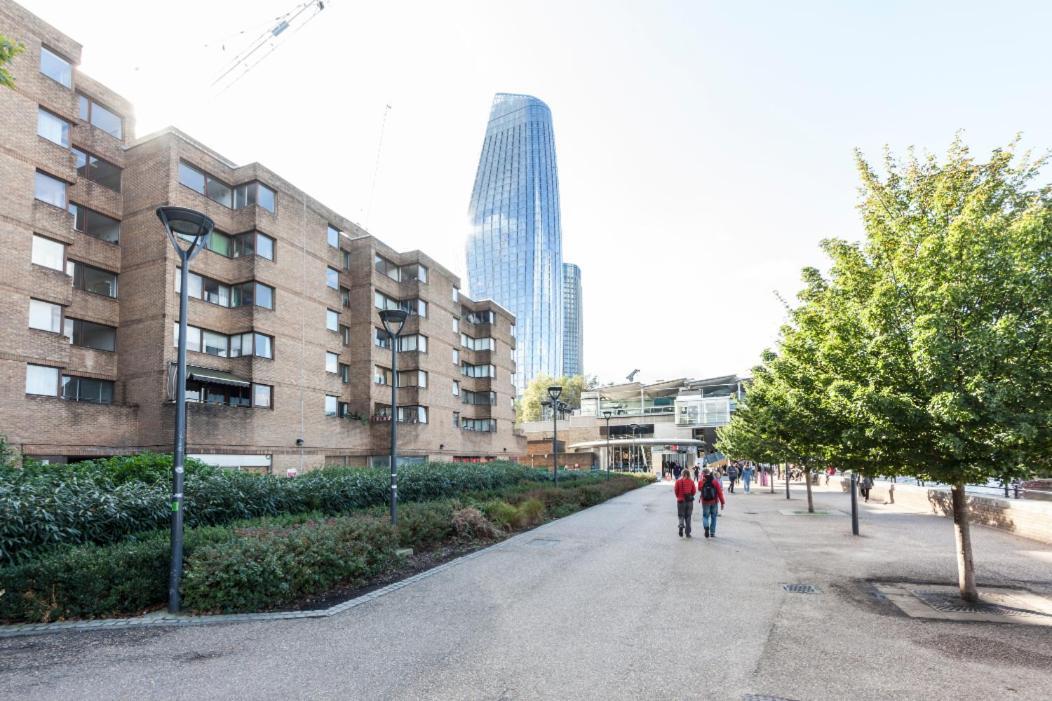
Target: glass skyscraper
x=514, y=249
x=573, y=321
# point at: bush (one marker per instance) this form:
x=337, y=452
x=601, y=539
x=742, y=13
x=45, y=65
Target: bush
x=265, y=568
x=470, y=524
x=425, y=525
x=503, y=514
x=531, y=512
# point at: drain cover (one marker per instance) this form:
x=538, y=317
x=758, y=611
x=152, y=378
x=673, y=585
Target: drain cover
x=800, y=588
x=951, y=603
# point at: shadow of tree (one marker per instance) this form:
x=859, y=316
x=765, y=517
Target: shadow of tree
x=985, y=512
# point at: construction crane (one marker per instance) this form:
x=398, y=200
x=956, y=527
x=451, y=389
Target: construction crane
x=267, y=43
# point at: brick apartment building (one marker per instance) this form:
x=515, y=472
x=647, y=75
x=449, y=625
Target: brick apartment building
x=288, y=364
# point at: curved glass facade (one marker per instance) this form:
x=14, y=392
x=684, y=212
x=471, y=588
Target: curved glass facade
x=514, y=248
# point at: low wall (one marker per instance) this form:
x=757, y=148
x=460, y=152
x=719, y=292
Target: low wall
x=1023, y=517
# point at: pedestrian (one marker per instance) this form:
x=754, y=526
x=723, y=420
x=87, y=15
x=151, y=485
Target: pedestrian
x=746, y=476
x=676, y=471
x=711, y=500
x=685, y=491
x=732, y=475
x=867, y=484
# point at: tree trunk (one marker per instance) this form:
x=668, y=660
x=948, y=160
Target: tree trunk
x=810, y=500
x=965, y=563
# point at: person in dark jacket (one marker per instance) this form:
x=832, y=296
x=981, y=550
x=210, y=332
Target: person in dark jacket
x=685, y=491
x=732, y=475
x=711, y=501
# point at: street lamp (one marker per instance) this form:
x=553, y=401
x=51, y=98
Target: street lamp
x=553, y=393
x=606, y=415
x=394, y=321
x=632, y=449
x=187, y=231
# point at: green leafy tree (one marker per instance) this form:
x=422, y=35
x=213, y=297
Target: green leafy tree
x=529, y=407
x=8, y=50
x=8, y=455
x=928, y=346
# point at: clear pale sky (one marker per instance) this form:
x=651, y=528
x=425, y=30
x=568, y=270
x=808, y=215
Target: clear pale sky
x=705, y=148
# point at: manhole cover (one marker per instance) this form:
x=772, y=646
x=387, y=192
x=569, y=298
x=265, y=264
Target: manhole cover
x=951, y=603
x=800, y=588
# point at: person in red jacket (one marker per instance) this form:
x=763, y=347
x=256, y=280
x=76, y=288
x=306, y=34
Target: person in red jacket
x=711, y=501
x=685, y=492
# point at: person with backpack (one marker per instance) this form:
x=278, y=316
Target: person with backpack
x=711, y=500
x=685, y=492
x=746, y=476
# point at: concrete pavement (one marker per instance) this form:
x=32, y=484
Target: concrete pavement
x=608, y=603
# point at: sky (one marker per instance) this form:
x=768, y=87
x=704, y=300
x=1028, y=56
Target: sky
x=704, y=148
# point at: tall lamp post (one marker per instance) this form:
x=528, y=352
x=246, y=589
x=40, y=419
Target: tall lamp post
x=394, y=322
x=632, y=449
x=187, y=230
x=606, y=415
x=553, y=394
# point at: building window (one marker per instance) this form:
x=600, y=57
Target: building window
x=100, y=117
x=332, y=320
x=95, y=224
x=254, y=193
x=456, y=325
x=97, y=170
x=333, y=236
x=412, y=414
x=264, y=246
x=191, y=177
x=264, y=346
x=261, y=396
x=469, y=370
x=345, y=373
x=346, y=260
x=483, y=425
x=456, y=357
x=332, y=278
x=205, y=392
x=331, y=408
x=50, y=190
x=235, y=346
x=248, y=294
x=332, y=362
x=91, y=279
x=86, y=389
x=411, y=306
x=247, y=244
x=414, y=343
x=214, y=343
x=88, y=334
x=48, y=253
x=456, y=388
x=485, y=317
x=55, y=67
x=403, y=273
x=345, y=297
x=381, y=338
x=345, y=335
x=45, y=316
x=480, y=398
x=52, y=127
x=476, y=344
x=412, y=378
x=386, y=267
x=381, y=375
x=41, y=379
x=456, y=419
x=456, y=295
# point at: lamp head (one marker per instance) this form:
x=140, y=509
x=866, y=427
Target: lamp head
x=393, y=320
x=608, y=414
x=185, y=226
x=554, y=391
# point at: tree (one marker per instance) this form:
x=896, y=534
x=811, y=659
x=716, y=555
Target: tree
x=930, y=343
x=8, y=50
x=530, y=409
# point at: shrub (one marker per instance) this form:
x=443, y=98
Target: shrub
x=503, y=514
x=425, y=525
x=531, y=512
x=270, y=567
x=470, y=524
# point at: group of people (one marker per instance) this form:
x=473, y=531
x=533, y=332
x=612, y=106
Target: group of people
x=710, y=493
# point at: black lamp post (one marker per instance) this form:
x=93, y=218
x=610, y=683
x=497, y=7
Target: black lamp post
x=632, y=450
x=394, y=322
x=553, y=393
x=187, y=231
x=606, y=415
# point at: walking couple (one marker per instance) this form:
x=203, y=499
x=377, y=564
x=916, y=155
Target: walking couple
x=711, y=493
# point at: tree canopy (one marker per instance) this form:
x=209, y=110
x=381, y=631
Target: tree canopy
x=8, y=50
x=529, y=407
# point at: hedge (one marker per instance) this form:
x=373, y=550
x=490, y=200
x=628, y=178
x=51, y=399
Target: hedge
x=105, y=501
x=269, y=562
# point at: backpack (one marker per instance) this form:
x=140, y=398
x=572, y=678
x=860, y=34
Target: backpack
x=708, y=490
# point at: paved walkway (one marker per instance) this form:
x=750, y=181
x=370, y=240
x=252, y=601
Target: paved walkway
x=609, y=604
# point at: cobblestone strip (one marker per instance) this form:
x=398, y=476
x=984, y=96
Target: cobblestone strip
x=164, y=620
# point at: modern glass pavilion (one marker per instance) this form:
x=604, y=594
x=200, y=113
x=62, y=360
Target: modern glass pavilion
x=514, y=247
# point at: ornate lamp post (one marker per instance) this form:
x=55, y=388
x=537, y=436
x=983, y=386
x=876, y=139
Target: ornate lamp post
x=394, y=322
x=187, y=231
x=553, y=394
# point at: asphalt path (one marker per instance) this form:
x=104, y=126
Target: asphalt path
x=606, y=604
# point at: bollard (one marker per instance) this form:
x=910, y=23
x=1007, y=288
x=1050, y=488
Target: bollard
x=854, y=503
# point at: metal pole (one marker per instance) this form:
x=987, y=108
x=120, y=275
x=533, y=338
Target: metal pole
x=175, y=571
x=608, y=447
x=854, y=503
x=394, y=428
x=786, y=480
x=555, y=454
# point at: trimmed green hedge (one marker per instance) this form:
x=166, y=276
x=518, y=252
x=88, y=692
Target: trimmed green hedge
x=269, y=562
x=105, y=501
